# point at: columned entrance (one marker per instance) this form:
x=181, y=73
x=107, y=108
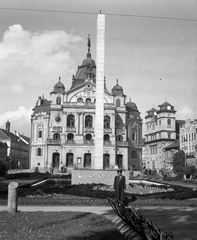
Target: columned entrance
x=119, y=159
x=69, y=160
x=106, y=162
x=56, y=160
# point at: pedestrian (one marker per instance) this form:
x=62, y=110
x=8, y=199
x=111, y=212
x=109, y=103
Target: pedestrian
x=52, y=169
x=119, y=185
x=61, y=167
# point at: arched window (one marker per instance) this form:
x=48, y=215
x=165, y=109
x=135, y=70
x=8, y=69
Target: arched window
x=70, y=137
x=88, y=137
x=88, y=121
x=118, y=102
x=58, y=100
x=169, y=121
x=106, y=137
x=39, y=151
x=106, y=122
x=70, y=120
x=88, y=100
x=119, y=138
x=80, y=99
x=39, y=133
x=56, y=136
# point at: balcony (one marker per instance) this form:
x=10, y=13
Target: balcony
x=120, y=131
x=71, y=129
x=108, y=130
x=107, y=142
x=57, y=129
x=70, y=142
x=122, y=144
x=88, y=142
x=88, y=130
x=54, y=141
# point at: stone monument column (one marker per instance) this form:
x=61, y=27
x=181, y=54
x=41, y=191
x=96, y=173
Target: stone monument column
x=100, y=51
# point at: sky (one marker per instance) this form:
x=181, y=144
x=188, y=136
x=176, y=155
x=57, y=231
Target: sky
x=150, y=47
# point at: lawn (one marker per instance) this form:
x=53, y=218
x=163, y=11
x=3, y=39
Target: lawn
x=56, y=226
x=75, y=225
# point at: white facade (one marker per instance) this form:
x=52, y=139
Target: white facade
x=188, y=141
x=64, y=127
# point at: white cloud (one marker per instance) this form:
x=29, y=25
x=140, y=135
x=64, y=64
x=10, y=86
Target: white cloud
x=21, y=113
x=31, y=59
x=185, y=112
x=19, y=119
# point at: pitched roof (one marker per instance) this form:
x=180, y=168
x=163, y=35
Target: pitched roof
x=174, y=145
x=180, y=122
x=5, y=135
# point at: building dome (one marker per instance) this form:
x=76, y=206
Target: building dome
x=88, y=62
x=117, y=90
x=59, y=87
x=132, y=105
x=87, y=70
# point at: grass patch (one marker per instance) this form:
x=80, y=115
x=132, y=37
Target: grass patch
x=56, y=226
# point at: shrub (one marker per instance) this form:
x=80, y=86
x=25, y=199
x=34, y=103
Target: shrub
x=3, y=168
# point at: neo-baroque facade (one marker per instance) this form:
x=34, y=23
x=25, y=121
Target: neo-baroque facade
x=63, y=128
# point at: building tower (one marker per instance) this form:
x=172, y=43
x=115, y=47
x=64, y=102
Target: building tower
x=7, y=126
x=160, y=130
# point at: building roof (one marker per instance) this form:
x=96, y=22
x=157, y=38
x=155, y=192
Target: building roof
x=59, y=87
x=166, y=107
x=5, y=135
x=174, y=145
x=132, y=106
x=44, y=107
x=151, y=112
x=117, y=90
x=180, y=122
x=87, y=70
x=25, y=138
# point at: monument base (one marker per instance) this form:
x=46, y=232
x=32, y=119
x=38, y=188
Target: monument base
x=96, y=176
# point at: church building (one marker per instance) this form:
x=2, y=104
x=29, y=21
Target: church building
x=63, y=128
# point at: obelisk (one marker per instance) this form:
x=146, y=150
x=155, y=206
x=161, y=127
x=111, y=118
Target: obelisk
x=100, y=52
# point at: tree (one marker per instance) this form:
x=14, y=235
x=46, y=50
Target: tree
x=179, y=163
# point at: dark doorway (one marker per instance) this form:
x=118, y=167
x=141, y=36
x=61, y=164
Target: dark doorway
x=69, y=160
x=56, y=160
x=87, y=160
x=106, y=162
x=119, y=159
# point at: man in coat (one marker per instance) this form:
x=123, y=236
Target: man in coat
x=119, y=185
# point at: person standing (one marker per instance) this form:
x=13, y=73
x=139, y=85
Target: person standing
x=119, y=185
x=61, y=167
x=52, y=169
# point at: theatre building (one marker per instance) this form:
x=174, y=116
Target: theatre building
x=63, y=127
